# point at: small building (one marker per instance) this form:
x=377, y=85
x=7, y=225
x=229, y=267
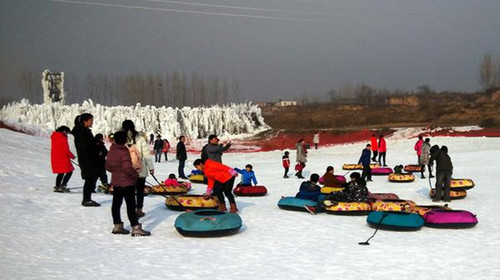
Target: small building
x=284, y=103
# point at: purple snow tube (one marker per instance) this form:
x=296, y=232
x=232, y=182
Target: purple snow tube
x=382, y=171
x=339, y=177
x=440, y=218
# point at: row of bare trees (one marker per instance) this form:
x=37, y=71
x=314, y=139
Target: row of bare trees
x=174, y=89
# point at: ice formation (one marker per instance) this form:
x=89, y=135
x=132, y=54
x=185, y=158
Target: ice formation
x=169, y=122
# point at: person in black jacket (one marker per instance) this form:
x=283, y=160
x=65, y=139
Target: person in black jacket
x=181, y=156
x=157, y=148
x=444, y=170
x=87, y=151
x=101, y=154
x=365, y=161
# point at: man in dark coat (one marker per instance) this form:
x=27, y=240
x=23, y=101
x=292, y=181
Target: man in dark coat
x=157, y=148
x=365, y=161
x=213, y=150
x=181, y=156
x=444, y=170
x=310, y=189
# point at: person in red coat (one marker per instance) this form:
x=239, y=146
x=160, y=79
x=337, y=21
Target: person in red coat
x=382, y=149
x=286, y=163
x=418, y=147
x=60, y=158
x=220, y=180
x=373, y=141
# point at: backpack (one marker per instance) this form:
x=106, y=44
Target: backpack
x=204, y=154
x=135, y=156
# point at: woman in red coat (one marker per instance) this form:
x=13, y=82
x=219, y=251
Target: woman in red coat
x=382, y=149
x=60, y=158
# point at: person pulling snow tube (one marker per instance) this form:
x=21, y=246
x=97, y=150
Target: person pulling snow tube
x=397, y=221
x=392, y=205
x=250, y=191
x=348, y=208
x=191, y=202
x=341, y=178
x=382, y=196
x=295, y=204
x=329, y=190
x=413, y=168
x=401, y=178
x=382, y=171
x=208, y=223
x=350, y=166
x=183, y=188
x=453, y=194
x=197, y=178
x=423, y=209
x=461, y=184
x=453, y=219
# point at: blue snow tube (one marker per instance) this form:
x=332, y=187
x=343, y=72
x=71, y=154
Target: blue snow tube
x=208, y=223
x=295, y=204
x=400, y=221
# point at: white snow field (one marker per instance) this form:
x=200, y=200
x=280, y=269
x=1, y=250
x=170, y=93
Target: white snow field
x=47, y=235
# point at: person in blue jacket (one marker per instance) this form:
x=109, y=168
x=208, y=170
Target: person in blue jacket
x=310, y=189
x=247, y=175
x=365, y=161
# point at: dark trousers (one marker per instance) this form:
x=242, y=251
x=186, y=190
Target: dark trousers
x=157, y=155
x=375, y=153
x=226, y=189
x=286, y=171
x=166, y=158
x=315, y=146
x=422, y=168
x=367, y=172
x=443, y=179
x=119, y=193
x=103, y=176
x=380, y=156
x=182, y=163
x=88, y=187
x=141, y=182
x=63, y=178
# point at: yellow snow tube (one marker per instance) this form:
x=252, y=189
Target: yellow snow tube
x=408, y=177
x=347, y=166
x=328, y=190
x=349, y=208
x=198, y=178
x=422, y=209
x=461, y=184
x=191, y=202
x=392, y=205
x=161, y=189
x=453, y=194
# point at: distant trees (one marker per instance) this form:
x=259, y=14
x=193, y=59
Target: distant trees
x=489, y=72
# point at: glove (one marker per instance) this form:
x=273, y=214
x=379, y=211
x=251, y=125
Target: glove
x=207, y=194
x=233, y=172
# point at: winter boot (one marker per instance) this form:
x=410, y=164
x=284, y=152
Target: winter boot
x=139, y=213
x=90, y=203
x=233, y=208
x=138, y=231
x=222, y=207
x=119, y=229
x=65, y=189
x=310, y=209
x=58, y=189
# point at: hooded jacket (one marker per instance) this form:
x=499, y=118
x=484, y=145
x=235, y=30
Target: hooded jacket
x=119, y=164
x=60, y=155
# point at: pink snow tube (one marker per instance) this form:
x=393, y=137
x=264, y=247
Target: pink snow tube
x=440, y=218
x=341, y=178
x=381, y=171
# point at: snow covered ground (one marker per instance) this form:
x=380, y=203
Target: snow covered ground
x=47, y=235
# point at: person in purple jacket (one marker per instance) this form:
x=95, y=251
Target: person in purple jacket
x=123, y=180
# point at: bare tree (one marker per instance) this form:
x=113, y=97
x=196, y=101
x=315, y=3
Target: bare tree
x=487, y=72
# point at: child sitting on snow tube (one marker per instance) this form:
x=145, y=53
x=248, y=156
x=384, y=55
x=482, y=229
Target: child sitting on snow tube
x=331, y=180
x=247, y=176
x=171, y=181
x=354, y=191
x=310, y=189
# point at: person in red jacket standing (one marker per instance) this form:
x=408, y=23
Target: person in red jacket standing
x=60, y=158
x=286, y=163
x=418, y=148
x=382, y=149
x=373, y=141
x=220, y=180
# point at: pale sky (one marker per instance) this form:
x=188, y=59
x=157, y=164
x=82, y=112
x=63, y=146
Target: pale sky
x=275, y=48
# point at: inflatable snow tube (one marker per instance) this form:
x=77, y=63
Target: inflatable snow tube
x=350, y=166
x=341, y=178
x=382, y=171
x=401, y=178
x=168, y=190
x=197, y=178
x=208, y=223
x=392, y=205
x=349, y=208
x=398, y=221
x=191, y=202
x=329, y=190
x=250, y=191
x=441, y=218
x=461, y=184
x=423, y=209
x=382, y=196
x=295, y=204
x=453, y=194
x=413, y=168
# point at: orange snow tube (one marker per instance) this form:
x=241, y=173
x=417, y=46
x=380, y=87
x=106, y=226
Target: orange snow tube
x=348, y=208
x=350, y=166
x=392, y=205
x=401, y=178
x=413, y=168
x=453, y=194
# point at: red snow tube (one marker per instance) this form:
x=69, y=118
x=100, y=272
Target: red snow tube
x=382, y=196
x=250, y=191
x=341, y=178
x=382, y=171
x=413, y=168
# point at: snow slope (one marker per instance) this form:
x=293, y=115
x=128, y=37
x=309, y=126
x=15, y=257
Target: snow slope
x=46, y=235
